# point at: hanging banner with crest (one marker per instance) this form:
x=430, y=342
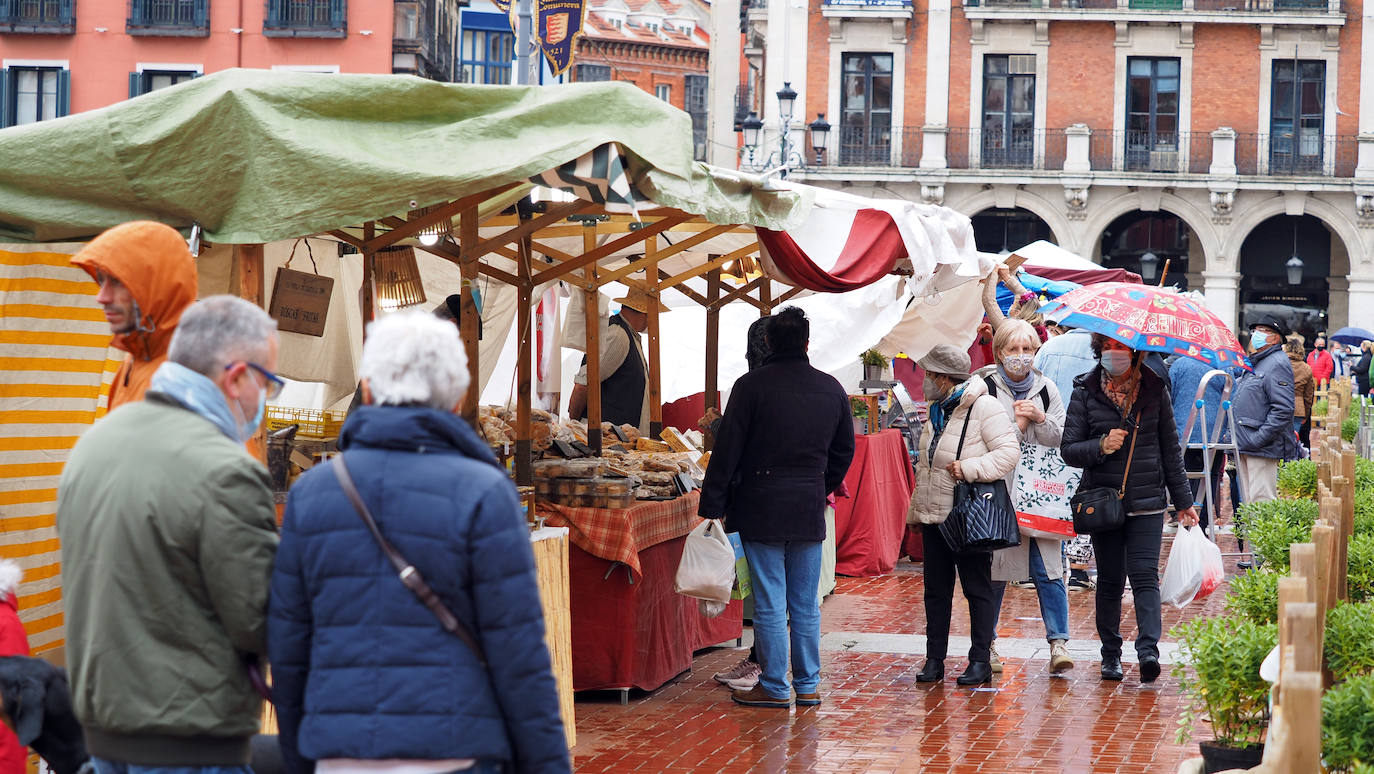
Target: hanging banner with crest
x=557, y=25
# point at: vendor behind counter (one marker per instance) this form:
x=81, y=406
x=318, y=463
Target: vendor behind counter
x=624, y=370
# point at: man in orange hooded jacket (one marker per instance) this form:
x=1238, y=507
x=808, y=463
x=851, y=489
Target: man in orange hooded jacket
x=147, y=279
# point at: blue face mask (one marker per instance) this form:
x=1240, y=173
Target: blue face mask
x=1116, y=362
x=1258, y=340
x=245, y=430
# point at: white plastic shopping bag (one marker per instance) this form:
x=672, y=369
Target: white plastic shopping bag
x=1194, y=569
x=707, y=569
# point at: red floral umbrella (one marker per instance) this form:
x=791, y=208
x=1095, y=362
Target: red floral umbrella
x=1152, y=319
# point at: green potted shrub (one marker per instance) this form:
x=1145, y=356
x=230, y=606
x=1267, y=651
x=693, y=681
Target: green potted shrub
x=1349, y=641
x=1348, y=725
x=1220, y=678
x=875, y=365
x=859, y=410
x=1359, y=580
x=1298, y=479
x=1272, y=526
x=1255, y=595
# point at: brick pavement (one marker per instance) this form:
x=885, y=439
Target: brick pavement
x=876, y=718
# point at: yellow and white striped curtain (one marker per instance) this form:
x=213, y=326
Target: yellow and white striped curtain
x=55, y=368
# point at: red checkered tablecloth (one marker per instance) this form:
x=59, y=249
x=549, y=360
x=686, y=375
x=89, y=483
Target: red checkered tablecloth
x=619, y=534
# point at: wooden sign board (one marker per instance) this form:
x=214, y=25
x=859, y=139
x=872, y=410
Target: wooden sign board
x=300, y=301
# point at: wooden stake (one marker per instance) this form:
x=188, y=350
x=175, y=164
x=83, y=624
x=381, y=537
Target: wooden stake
x=369, y=279
x=655, y=376
x=248, y=284
x=468, y=312
x=712, y=342
x=1303, y=561
x=524, y=368
x=1301, y=697
x=592, y=319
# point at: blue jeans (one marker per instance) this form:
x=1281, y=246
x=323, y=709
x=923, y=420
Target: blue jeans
x=787, y=611
x=1054, y=597
x=103, y=766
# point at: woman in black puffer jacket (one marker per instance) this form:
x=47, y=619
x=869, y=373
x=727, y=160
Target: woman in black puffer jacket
x=1114, y=404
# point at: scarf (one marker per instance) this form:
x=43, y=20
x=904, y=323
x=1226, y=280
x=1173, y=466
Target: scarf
x=939, y=417
x=1021, y=389
x=1123, y=396
x=197, y=394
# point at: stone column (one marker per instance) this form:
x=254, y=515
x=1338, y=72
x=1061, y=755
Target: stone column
x=1222, y=291
x=937, y=85
x=1077, y=147
x=1338, y=304
x=1361, y=299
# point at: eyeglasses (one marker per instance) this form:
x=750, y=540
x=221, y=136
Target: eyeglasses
x=275, y=383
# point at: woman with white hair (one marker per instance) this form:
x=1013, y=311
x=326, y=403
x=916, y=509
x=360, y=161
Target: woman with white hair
x=366, y=678
x=1033, y=403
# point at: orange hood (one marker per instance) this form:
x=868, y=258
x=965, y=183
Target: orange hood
x=154, y=263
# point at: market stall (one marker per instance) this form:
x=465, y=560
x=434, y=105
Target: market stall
x=222, y=156
x=870, y=523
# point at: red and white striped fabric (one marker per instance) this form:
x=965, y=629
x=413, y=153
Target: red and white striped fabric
x=847, y=242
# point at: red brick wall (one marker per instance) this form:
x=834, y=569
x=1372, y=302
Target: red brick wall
x=1082, y=77
x=1348, y=82
x=960, y=61
x=817, y=66
x=646, y=66
x=914, y=99
x=1226, y=77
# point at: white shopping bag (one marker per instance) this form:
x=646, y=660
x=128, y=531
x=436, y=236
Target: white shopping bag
x=1041, y=490
x=1194, y=569
x=707, y=569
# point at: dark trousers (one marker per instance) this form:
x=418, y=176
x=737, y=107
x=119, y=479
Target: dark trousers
x=975, y=575
x=1130, y=551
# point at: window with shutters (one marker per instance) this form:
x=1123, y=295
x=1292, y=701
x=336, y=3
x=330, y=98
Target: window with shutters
x=32, y=94
x=1152, y=91
x=1008, y=110
x=866, y=109
x=145, y=81
x=306, y=19
x=189, y=18
x=1297, y=115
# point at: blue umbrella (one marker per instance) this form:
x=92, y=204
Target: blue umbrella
x=1352, y=336
x=1051, y=289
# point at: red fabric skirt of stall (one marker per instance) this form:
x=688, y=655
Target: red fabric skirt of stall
x=870, y=524
x=638, y=635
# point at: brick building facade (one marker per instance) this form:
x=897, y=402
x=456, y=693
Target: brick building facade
x=661, y=46
x=66, y=56
x=1224, y=137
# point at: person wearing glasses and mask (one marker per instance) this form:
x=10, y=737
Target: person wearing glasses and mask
x=168, y=533
x=1263, y=401
x=1120, y=430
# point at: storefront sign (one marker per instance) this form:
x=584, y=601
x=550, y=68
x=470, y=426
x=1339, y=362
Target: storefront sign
x=300, y=301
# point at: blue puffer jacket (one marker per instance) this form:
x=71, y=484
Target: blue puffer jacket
x=1263, y=404
x=361, y=668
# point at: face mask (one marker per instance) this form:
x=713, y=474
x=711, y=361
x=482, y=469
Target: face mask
x=1258, y=340
x=1017, y=366
x=933, y=391
x=245, y=430
x=1116, y=362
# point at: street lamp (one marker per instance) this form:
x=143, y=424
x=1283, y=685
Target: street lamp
x=788, y=155
x=1149, y=264
x=1294, y=267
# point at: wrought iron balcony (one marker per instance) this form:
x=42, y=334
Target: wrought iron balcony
x=306, y=19
x=1283, y=155
x=51, y=17
x=190, y=18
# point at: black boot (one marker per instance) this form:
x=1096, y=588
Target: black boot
x=1111, y=668
x=932, y=672
x=1149, y=669
x=978, y=672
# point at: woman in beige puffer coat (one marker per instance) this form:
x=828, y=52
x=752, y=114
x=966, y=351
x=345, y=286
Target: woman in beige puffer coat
x=990, y=453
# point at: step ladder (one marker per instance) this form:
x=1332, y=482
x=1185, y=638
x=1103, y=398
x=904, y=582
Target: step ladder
x=1223, y=425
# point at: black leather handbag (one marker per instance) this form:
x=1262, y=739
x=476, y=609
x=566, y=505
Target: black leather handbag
x=1099, y=508
x=983, y=518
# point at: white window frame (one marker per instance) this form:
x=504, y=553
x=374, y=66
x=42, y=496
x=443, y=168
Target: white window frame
x=320, y=68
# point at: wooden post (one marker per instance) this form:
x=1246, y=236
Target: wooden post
x=1292, y=591
x=524, y=376
x=712, y=344
x=655, y=375
x=1347, y=523
x=369, y=277
x=766, y=297
x=467, y=266
x=1303, y=563
x=1301, y=697
x=248, y=285
x=1307, y=636
x=593, y=325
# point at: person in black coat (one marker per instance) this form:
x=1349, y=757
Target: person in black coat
x=1362, y=367
x=785, y=442
x=1121, y=411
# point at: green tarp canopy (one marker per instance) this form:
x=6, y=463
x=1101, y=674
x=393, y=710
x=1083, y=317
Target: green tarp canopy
x=257, y=156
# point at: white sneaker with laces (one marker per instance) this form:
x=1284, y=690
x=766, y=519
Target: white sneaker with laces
x=747, y=680
x=735, y=672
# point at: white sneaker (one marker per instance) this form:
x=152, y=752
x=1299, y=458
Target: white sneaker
x=735, y=672
x=747, y=680
x=994, y=660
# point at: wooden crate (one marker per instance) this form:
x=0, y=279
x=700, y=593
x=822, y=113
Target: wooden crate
x=551, y=569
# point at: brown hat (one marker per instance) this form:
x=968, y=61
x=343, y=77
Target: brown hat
x=640, y=301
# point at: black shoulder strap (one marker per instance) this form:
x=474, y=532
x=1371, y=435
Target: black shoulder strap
x=968, y=419
x=992, y=385
x=408, y=574
x=1045, y=397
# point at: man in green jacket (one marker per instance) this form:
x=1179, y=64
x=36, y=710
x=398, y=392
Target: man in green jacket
x=168, y=534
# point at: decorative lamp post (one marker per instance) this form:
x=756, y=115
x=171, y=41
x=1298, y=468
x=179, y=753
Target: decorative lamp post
x=1149, y=266
x=820, y=136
